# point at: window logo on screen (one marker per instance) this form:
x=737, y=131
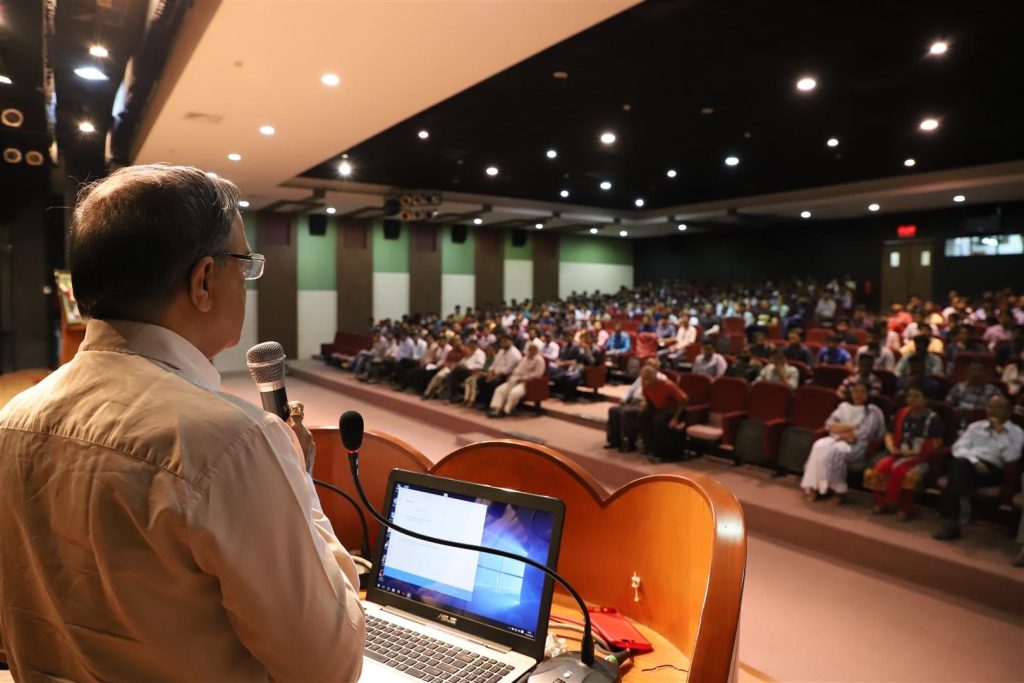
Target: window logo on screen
x=447, y=619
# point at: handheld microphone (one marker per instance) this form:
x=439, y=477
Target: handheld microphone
x=579, y=666
x=266, y=365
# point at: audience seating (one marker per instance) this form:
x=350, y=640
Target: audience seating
x=727, y=404
x=698, y=393
x=890, y=383
x=830, y=376
x=344, y=347
x=595, y=377
x=757, y=438
x=805, y=370
x=733, y=325
x=538, y=390
x=818, y=335
x=963, y=359
x=811, y=407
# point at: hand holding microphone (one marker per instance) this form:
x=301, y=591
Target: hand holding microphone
x=266, y=365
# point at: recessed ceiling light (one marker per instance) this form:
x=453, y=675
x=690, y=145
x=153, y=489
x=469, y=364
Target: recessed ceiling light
x=806, y=84
x=671, y=173
x=805, y=214
x=6, y=80
x=243, y=204
x=561, y=75
x=491, y=171
x=478, y=220
x=331, y=210
x=939, y=47
x=539, y=226
x=607, y=137
x=86, y=127
x=873, y=207
x=909, y=162
x=235, y=157
x=832, y=142
x=212, y=174
x=959, y=198
x=345, y=168
x=98, y=51
x=551, y=154
x=707, y=111
x=732, y=161
x=90, y=73
x=622, y=233
x=593, y=231
x=605, y=185
x=564, y=194
x=638, y=202
x=681, y=227
x=267, y=130
x=929, y=124
x=330, y=79
x=423, y=134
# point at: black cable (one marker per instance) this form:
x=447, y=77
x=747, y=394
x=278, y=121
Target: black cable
x=365, y=547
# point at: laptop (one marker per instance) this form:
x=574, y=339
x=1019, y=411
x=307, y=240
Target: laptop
x=435, y=613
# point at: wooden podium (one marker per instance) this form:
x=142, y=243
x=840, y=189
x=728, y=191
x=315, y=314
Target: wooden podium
x=683, y=536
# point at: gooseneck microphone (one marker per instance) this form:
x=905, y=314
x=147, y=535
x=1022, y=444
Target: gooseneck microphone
x=575, y=666
x=266, y=365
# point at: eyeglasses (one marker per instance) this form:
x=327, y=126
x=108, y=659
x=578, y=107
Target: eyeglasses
x=253, y=264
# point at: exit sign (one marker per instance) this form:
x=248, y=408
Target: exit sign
x=905, y=231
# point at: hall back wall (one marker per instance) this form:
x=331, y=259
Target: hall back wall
x=832, y=248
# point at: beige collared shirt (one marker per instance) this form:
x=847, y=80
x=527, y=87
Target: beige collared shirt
x=153, y=528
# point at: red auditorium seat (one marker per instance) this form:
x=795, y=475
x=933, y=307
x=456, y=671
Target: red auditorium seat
x=344, y=347
x=805, y=371
x=890, y=383
x=727, y=404
x=733, y=325
x=538, y=390
x=830, y=376
x=963, y=359
x=818, y=335
x=698, y=393
x=811, y=407
x=757, y=438
x=595, y=377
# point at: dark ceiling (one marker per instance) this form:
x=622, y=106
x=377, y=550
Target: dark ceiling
x=648, y=73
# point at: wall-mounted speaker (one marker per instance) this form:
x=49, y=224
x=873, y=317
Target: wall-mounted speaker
x=317, y=224
x=392, y=206
x=392, y=229
x=518, y=237
x=459, y=233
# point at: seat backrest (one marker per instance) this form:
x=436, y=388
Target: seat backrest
x=830, y=376
x=697, y=388
x=768, y=401
x=890, y=383
x=728, y=394
x=805, y=371
x=733, y=325
x=691, y=352
x=965, y=358
x=646, y=344
x=947, y=414
x=818, y=335
x=812, y=405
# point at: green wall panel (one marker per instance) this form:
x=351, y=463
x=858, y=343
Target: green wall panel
x=583, y=249
x=514, y=253
x=390, y=256
x=457, y=259
x=318, y=256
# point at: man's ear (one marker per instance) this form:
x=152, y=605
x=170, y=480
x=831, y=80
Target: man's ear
x=200, y=293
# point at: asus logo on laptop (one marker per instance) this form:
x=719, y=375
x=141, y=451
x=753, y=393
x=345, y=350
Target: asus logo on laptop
x=448, y=619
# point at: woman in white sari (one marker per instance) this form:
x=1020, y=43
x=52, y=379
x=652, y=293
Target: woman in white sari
x=850, y=427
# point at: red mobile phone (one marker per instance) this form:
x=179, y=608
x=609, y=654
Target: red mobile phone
x=614, y=628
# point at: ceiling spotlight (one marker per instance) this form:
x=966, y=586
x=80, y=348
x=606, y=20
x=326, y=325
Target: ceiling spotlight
x=939, y=47
x=909, y=162
x=478, y=220
x=593, y=231
x=491, y=171
x=873, y=207
x=806, y=84
x=330, y=80
x=267, y=130
x=551, y=154
x=6, y=80
x=607, y=137
x=707, y=111
x=86, y=127
x=423, y=135
x=331, y=210
x=345, y=168
x=832, y=142
x=929, y=124
x=681, y=227
x=564, y=194
x=90, y=73
x=98, y=51
x=732, y=161
x=959, y=198
x=671, y=173
x=244, y=204
x=539, y=226
x=560, y=75
x=605, y=185
x=639, y=203
x=622, y=233
x=235, y=157
x=805, y=214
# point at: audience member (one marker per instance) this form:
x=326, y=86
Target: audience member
x=471, y=362
x=850, y=427
x=761, y=348
x=745, y=367
x=979, y=456
x=470, y=386
x=932, y=363
x=884, y=358
x=897, y=476
x=686, y=334
x=833, y=353
x=709, y=363
x=780, y=371
x=796, y=349
x=621, y=428
x=825, y=310
x=1013, y=374
x=917, y=375
x=505, y=361
x=973, y=393
x=663, y=405
x=508, y=395
x=864, y=373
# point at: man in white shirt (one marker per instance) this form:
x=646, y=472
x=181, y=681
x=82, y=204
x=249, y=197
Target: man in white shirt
x=473, y=360
x=780, y=371
x=710, y=363
x=508, y=395
x=153, y=527
x=505, y=362
x=979, y=456
x=686, y=334
x=549, y=348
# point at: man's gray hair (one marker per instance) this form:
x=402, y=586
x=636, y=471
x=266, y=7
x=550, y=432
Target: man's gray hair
x=138, y=232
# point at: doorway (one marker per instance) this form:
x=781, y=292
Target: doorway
x=906, y=270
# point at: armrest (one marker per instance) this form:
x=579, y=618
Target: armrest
x=696, y=414
x=730, y=423
x=595, y=376
x=1011, y=483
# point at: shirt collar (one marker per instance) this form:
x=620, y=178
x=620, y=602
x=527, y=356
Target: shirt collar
x=155, y=343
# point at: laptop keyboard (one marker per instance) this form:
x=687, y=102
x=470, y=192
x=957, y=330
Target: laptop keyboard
x=427, y=658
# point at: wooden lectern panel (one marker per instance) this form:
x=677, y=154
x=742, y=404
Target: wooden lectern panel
x=683, y=536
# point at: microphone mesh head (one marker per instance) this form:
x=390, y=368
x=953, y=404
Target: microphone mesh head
x=351, y=427
x=266, y=362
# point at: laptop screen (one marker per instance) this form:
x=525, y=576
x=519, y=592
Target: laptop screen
x=493, y=590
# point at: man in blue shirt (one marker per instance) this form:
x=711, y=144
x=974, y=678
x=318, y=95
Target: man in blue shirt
x=833, y=353
x=618, y=343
